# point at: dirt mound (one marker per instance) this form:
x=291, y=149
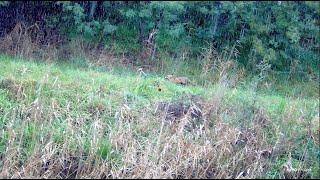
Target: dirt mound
x=179, y=108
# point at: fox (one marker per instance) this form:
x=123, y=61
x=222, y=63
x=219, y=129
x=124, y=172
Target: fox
x=178, y=80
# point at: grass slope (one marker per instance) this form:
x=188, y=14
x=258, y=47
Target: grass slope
x=62, y=121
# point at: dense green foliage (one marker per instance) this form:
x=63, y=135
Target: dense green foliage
x=282, y=34
x=83, y=92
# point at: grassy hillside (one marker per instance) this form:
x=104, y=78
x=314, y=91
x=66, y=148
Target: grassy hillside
x=61, y=120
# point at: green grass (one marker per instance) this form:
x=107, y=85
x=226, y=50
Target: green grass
x=75, y=108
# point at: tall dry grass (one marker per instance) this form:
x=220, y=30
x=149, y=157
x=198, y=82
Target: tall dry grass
x=220, y=67
x=138, y=144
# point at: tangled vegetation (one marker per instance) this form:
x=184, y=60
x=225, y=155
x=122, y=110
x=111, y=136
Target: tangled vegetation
x=93, y=89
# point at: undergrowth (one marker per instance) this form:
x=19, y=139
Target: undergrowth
x=65, y=120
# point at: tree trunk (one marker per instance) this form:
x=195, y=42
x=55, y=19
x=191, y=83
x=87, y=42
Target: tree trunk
x=93, y=7
x=19, y=11
x=215, y=20
x=141, y=33
x=153, y=51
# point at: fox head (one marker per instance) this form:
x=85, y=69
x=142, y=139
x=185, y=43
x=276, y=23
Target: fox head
x=169, y=76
